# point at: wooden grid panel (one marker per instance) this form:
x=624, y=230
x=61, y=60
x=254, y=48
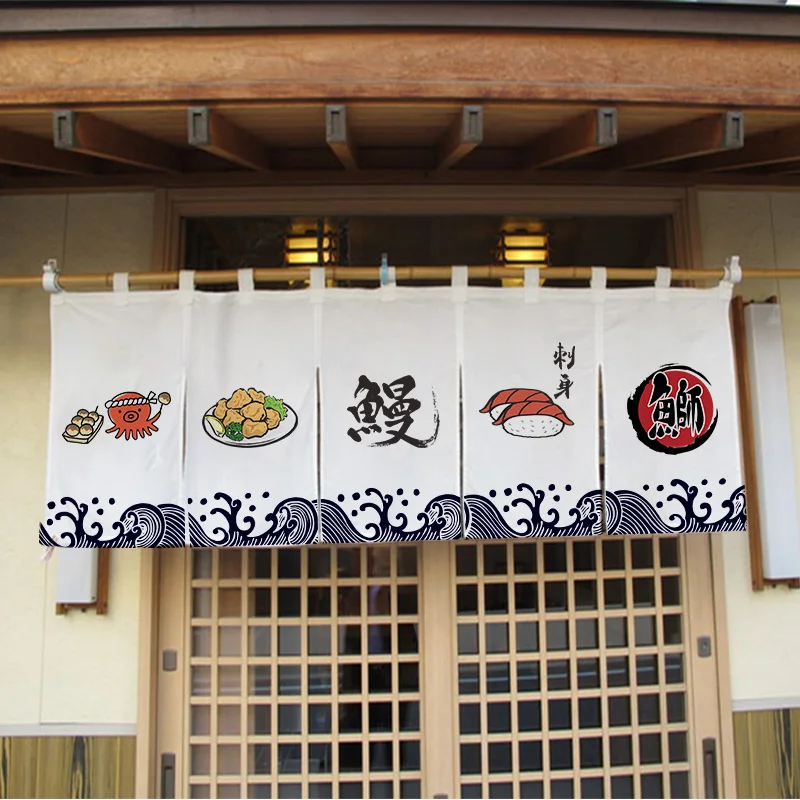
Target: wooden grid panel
x=305, y=673
x=571, y=669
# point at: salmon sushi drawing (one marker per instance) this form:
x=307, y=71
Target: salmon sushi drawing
x=526, y=412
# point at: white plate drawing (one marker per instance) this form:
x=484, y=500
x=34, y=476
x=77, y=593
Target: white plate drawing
x=283, y=430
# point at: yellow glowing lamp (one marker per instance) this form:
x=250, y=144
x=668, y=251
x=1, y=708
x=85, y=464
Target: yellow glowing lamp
x=311, y=243
x=522, y=244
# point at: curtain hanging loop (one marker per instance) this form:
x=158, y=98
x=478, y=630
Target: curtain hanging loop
x=50, y=274
x=732, y=271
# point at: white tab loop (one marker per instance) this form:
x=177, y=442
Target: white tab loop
x=459, y=281
x=663, y=282
x=599, y=281
x=247, y=285
x=186, y=286
x=532, y=284
x=732, y=272
x=317, y=284
x=388, y=282
x=121, y=286
x=50, y=273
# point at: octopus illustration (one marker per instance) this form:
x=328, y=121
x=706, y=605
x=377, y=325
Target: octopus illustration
x=130, y=413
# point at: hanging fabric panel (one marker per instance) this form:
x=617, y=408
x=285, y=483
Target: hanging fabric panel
x=671, y=417
x=116, y=420
x=251, y=418
x=530, y=413
x=389, y=415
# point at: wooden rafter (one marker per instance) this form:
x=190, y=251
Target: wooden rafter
x=211, y=131
x=595, y=130
x=696, y=138
x=23, y=150
x=80, y=132
x=463, y=136
x=771, y=147
x=337, y=135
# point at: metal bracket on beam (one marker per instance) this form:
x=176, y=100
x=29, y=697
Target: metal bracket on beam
x=462, y=138
x=65, y=129
x=199, y=127
x=733, y=130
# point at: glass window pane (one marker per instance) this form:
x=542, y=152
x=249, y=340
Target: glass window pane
x=585, y=595
x=525, y=559
x=495, y=559
x=230, y=602
x=526, y=598
x=289, y=640
x=557, y=634
x=260, y=560
x=529, y=715
x=495, y=598
x=260, y=640
x=560, y=713
x=616, y=632
x=289, y=559
x=201, y=564
x=259, y=720
x=466, y=560
x=527, y=637
x=201, y=603
x=468, y=679
x=260, y=605
x=319, y=601
x=230, y=641
x=289, y=601
x=496, y=637
x=406, y=561
x=201, y=642
x=319, y=640
x=230, y=563
x=467, y=639
x=498, y=678
x=469, y=718
x=319, y=562
x=229, y=720
x=348, y=562
x=555, y=557
x=467, y=599
x=586, y=633
x=527, y=676
x=560, y=754
x=260, y=679
x=530, y=759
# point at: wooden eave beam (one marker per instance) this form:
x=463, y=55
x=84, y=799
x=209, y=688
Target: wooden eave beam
x=338, y=137
x=212, y=132
x=23, y=150
x=762, y=149
x=595, y=130
x=79, y=132
x=696, y=138
x=463, y=136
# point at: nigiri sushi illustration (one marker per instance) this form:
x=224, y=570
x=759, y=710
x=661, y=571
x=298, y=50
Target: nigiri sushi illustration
x=526, y=412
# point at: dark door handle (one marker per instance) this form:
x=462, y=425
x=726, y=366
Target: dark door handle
x=710, y=768
x=168, y=775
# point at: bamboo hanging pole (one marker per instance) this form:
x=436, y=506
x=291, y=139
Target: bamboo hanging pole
x=218, y=277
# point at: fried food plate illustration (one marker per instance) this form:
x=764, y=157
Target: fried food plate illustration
x=249, y=418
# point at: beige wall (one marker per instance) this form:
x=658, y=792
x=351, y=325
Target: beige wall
x=78, y=668
x=764, y=628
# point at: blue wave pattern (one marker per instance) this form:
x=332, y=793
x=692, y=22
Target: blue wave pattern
x=293, y=521
x=232, y=522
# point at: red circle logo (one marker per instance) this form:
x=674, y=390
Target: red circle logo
x=673, y=410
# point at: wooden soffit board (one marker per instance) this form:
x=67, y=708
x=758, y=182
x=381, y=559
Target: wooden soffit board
x=593, y=67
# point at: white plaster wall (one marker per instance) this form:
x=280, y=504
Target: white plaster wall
x=78, y=668
x=763, y=627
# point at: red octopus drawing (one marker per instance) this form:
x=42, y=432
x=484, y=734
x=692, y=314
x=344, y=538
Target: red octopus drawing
x=130, y=413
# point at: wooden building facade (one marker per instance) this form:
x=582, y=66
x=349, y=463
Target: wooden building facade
x=157, y=137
